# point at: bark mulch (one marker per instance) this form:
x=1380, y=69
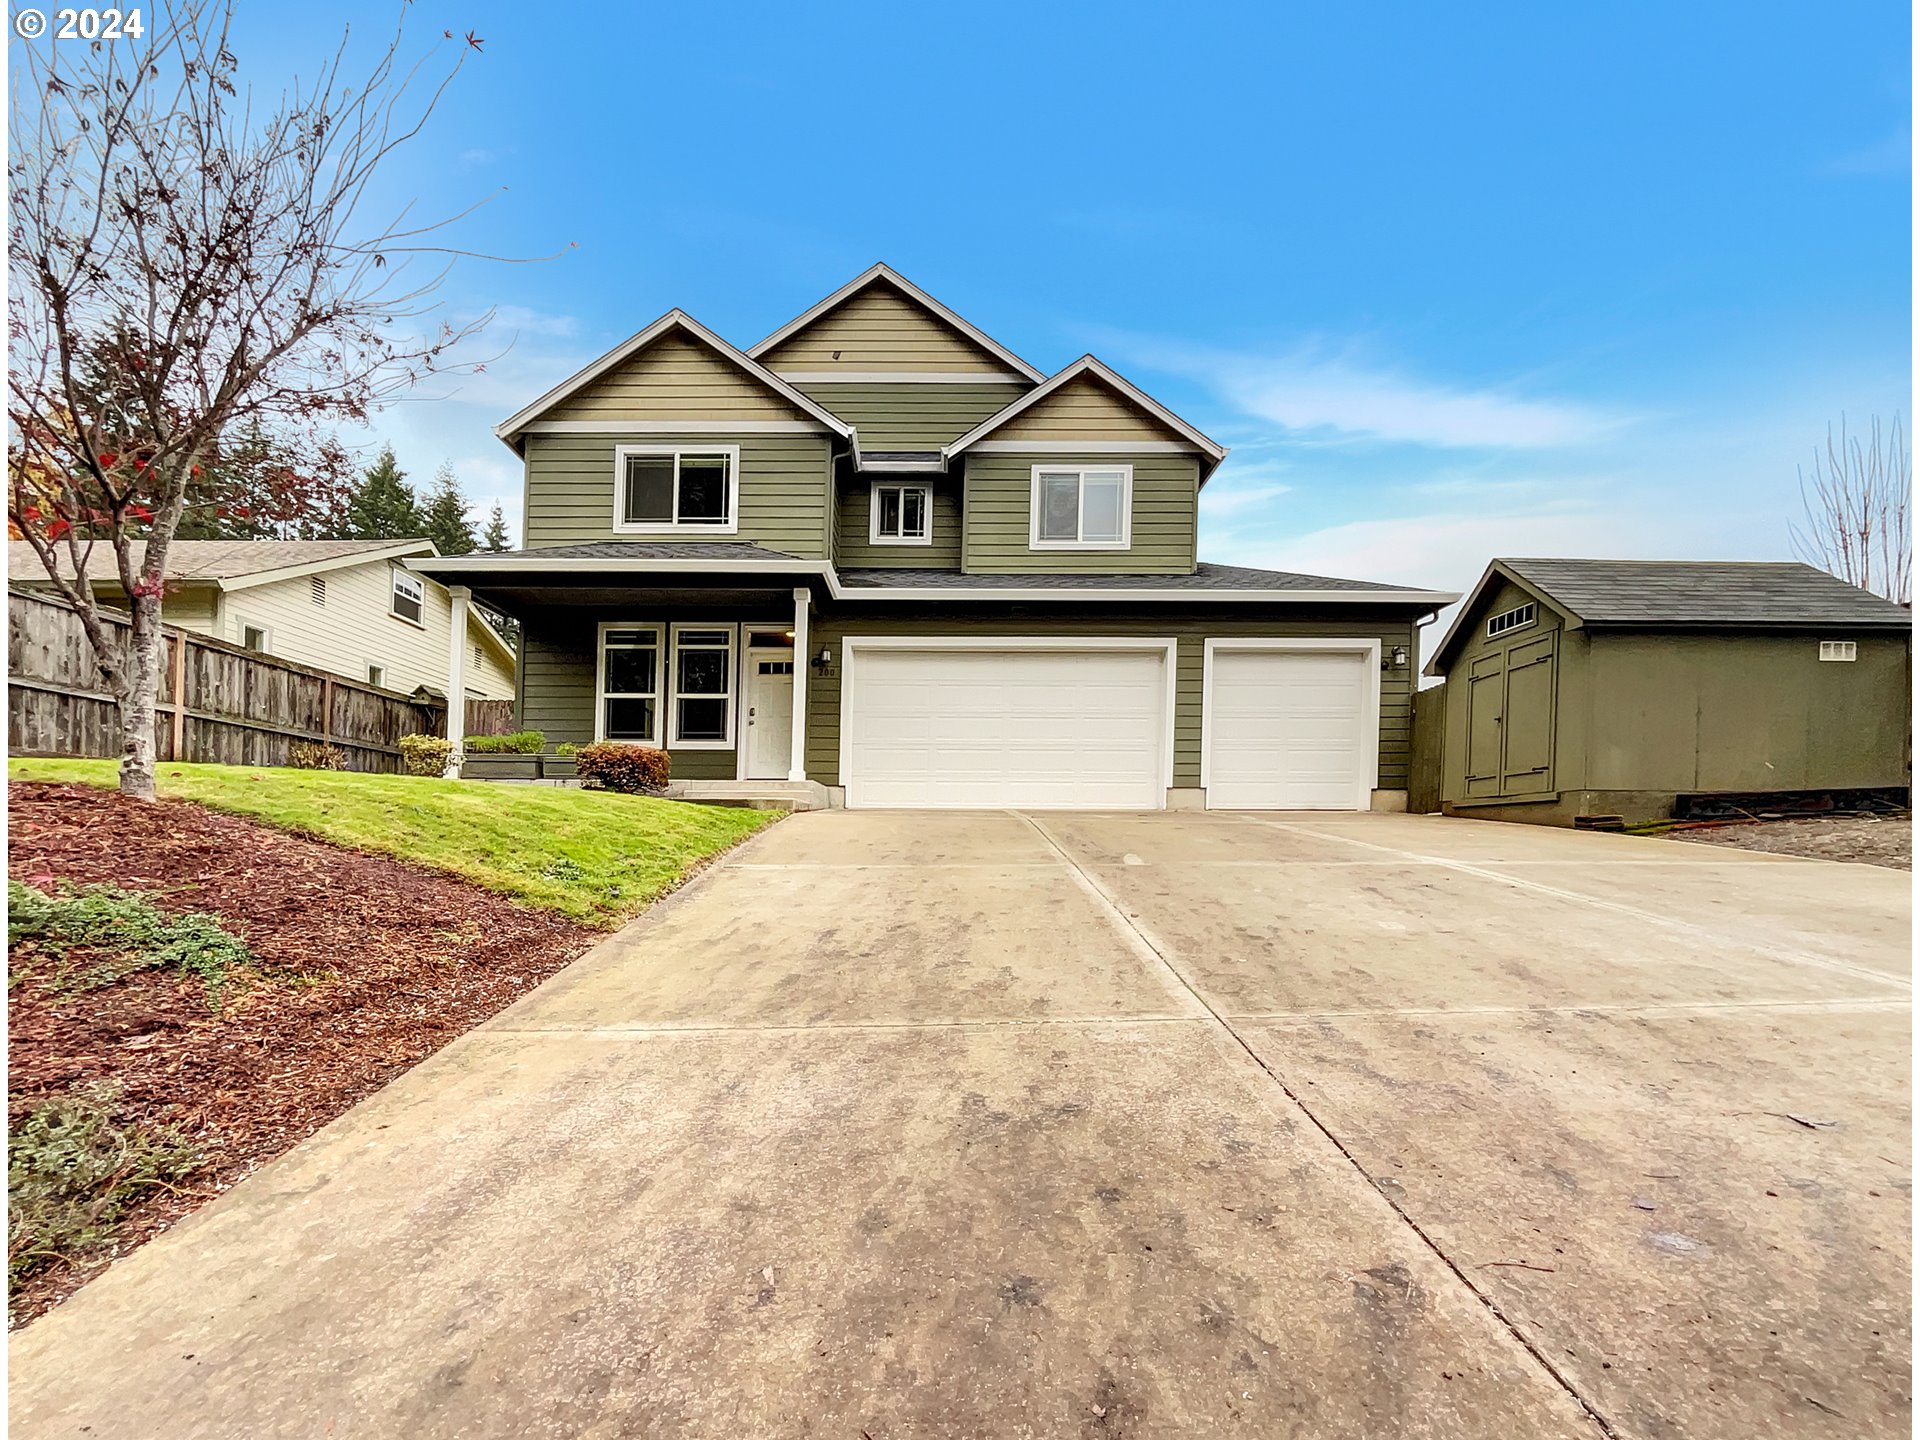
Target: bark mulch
x=367, y=966
x=1862, y=839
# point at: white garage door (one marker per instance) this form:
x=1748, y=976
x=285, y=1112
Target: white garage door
x=1046, y=729
x=1291, y=730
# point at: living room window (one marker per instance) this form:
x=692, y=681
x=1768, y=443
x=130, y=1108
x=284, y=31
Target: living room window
x=667, y=487
x=702, y=687
x=629, y=684
x=1082, y=507
x=901, y=514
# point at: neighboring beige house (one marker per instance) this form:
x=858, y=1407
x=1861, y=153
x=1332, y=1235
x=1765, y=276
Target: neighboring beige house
x=346, y=606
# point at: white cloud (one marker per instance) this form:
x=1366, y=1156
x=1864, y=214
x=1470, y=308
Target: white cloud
x=1217, y=500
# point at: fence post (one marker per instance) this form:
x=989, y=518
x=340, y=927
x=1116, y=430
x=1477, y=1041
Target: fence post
x=179, y=696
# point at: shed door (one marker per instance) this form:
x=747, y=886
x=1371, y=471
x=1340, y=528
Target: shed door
x=1486, y=700
x=1527, y=756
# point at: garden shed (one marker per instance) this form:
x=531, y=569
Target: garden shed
x=1584, y=690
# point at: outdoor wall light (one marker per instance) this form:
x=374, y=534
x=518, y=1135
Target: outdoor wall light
x=1396, y=659
x=823, y=659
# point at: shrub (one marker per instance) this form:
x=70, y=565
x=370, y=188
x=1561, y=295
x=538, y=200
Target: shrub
x=565, y=748
x=316, y=755
x=425, y=754
x=630, y=769
x=521, y=742
x=124, y=933
x=72, y=1171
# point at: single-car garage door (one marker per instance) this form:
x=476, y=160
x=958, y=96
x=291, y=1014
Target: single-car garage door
x=1291, y=729
x=1038, y=725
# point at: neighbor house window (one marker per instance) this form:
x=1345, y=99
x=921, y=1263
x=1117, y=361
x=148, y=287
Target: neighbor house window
x=630, y=683
x=255, y=637
x=1517, y=618
x=409, y=597
x=377, y=675
x=1082, y=508
x=702, y=687
x=902, y=515
x=663, y=487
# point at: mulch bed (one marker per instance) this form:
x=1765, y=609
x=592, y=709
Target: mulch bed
x=1862, y=839
x=368, y=966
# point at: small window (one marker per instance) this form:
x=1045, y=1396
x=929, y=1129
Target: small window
x=702, y=687
x=317, y=584
x=1839, y=650
x=902, y=515
x=662, y=488
x=256, y=638
x=630, y=684
x=1082, y=508
x=409, y=597
x=1517, y=618
x=377, y=675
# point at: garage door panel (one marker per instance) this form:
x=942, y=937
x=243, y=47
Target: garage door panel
x=1037, y=728
x=1290, y=730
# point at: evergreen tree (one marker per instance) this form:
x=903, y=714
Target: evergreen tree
x=381, y=506
x=445, y=514
x=494, y=537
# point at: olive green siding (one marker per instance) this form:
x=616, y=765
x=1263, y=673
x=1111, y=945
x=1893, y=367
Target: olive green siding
x=1084, y=409
x=881, y=329
x=999, y=517
x=675, y=379
x=785, y=484
x=1638, y=717
x=856, y=549
x=912, y=416
x=1189, y=626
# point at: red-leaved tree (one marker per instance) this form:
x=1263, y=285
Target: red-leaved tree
x=196, y=294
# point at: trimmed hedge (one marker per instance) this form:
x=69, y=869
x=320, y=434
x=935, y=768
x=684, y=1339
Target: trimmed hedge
x=425, y=754
x=520, y=742
x=630, y=769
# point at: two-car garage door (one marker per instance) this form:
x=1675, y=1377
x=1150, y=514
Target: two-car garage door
x=1055, y=724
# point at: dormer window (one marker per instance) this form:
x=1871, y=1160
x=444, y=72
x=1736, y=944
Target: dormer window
x=901, y=514
x=666, y=487
x=1082, y=508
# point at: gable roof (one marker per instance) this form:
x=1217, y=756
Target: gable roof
x=1088, y=365
x=673, y=322
x=228, y=564
x=1684, y=595
x=886, y=274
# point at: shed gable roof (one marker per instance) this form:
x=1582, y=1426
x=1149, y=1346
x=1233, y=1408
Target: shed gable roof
x=886, y=298
x=1682, y=595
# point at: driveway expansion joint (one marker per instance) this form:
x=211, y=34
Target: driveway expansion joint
x=1142, y=941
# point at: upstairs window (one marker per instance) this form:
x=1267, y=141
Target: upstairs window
x=409, y=598
x=1082, y=508
x=902, y=515
x=663, y=487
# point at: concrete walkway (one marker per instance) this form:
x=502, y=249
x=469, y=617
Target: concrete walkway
x=997, y=1125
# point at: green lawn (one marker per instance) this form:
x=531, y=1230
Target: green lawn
x=595, y=856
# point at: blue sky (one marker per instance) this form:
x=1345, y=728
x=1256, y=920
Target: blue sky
x=1451, y=281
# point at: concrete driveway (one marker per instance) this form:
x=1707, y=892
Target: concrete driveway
x=1000, y=1125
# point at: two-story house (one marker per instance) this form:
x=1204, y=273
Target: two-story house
x=880, y=553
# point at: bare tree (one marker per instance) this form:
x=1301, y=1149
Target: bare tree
x=1859, y=510
x=184, y=267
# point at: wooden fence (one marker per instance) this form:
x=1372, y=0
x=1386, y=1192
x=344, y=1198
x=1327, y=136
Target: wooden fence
x=219, y=703
x=1429, y=748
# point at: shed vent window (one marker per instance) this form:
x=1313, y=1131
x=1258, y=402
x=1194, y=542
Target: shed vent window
x=1517, y=618
x=318, y=585
x=1839, y=650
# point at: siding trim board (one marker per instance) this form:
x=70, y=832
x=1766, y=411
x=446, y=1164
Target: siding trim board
x=673, y=427
x=901, y=377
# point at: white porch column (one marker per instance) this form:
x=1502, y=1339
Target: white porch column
x=797, y=759
x=457, y=679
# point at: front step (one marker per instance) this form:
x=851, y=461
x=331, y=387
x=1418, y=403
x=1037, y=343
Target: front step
x=753, y=794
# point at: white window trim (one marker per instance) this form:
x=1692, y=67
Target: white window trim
x=600, y=678
x=675, y=527
x=874, y=536
x=377, y=676
x=1527, y=608
x=242, y=625
x=404, y=577
x=1167, y=648
x=1368, y=648
x=732, y=632
x=1125, y=542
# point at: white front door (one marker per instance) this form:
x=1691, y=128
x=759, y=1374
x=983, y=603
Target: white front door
x=1291, y=729
x=1047, y=725
x=769, y=710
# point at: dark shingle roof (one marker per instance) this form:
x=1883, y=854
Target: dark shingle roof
x=1708, y=593
x=1205, y=577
